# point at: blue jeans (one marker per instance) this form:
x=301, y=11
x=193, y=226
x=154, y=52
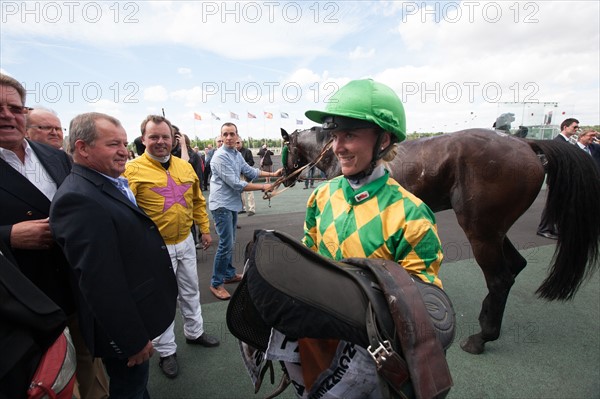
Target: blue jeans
x=127, y=382
x=309, y=175
x=225, y=224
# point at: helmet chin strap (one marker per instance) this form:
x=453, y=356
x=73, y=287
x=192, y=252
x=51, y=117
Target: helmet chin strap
x=377, y=155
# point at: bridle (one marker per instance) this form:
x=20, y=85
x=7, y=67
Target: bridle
x=293, y=176
x=291, y=150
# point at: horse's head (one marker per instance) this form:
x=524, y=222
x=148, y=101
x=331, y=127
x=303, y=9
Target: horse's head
x=301, y=147
x=291, y=157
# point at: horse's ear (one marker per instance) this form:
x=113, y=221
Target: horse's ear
x=285, y=135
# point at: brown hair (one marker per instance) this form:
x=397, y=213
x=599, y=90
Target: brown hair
x=83, y=127
x=6, y=80
x=230, y=124
x=157, y=119
x=567, y=122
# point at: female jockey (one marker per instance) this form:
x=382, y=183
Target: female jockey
x=363, y=213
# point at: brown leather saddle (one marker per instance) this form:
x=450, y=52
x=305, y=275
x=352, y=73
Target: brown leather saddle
x=405, y=324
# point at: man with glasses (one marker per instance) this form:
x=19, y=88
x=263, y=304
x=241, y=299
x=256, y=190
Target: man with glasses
x=31, y=174
x=568, y=128
x=585, y=141
x=43, y=126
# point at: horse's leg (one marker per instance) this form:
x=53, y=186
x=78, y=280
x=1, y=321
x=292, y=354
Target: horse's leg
x=499, y=277
x=516, y=261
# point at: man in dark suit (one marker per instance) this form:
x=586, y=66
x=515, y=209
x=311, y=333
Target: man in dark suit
x=30, y=175
x=568, y=128
x=128, y=288
x=31, y=322
x=595, y=151
x=585, y=141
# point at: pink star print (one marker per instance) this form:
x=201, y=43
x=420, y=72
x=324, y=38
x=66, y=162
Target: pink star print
x=173, y=193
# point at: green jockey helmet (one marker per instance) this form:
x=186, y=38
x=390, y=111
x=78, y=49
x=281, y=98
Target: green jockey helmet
x=365, y=100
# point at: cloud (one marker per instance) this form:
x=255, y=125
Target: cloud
x=156, y=93
x=517, y=47
x=360, y=53
x=106, y=107
x=186, y=72
x=493, y=28
x=190, y=97
x=304, y=76
x=216, y=56
x=250, y=26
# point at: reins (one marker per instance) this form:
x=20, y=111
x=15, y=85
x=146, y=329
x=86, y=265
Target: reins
x=294, y=175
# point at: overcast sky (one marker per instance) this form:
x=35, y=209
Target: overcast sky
x=455, y=65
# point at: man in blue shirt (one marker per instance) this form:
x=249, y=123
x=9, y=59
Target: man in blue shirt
x=225, y=201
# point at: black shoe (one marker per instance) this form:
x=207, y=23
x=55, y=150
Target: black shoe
x=547, y=235
x=169, y=365
x=204, y=340
x=240, y=212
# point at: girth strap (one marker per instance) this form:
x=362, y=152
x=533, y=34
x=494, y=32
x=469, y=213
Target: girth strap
x=391, y=368
x=424, y=354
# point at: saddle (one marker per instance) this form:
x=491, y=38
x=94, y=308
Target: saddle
x=405, y=324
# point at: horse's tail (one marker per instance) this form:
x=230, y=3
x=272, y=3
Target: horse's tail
x=573, y=203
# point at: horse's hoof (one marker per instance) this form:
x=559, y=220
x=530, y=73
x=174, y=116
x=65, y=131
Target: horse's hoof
x=471, y=346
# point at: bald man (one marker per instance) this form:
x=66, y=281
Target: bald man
x=43, y=126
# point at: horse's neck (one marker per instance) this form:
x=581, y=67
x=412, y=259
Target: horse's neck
x=329, y=164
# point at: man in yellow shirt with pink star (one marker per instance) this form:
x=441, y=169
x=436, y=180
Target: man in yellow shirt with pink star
x=168, y=189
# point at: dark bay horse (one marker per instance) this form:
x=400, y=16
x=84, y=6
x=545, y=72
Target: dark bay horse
x=490, y=179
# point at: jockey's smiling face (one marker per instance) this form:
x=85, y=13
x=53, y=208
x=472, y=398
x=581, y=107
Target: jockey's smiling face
x=354, y=148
